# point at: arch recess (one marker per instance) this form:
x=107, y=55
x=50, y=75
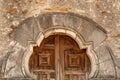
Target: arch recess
x=83, y=30
x=72, y=34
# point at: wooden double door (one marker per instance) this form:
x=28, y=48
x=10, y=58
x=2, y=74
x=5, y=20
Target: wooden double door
x=59, y=58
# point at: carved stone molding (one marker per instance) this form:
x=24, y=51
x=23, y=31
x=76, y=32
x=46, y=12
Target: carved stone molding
x=83, y=30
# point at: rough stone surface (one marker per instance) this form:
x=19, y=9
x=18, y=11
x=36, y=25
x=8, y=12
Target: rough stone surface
x=104, y=56
x=19, y=13
x=87, y=28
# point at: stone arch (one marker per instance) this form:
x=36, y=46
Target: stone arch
x=83, y=25
x=85, y=31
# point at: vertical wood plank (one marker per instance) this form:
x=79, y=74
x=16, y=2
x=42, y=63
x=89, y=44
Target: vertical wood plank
x=57, y=57
x=61, y=57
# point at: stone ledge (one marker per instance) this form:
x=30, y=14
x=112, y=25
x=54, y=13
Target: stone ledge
x=104, y=79
x=38, y=79
x=16, y=79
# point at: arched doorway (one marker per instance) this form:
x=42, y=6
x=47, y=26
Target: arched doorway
x=59, y=58
x=87, y=33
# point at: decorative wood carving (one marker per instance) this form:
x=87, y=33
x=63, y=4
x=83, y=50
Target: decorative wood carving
x=59, y=58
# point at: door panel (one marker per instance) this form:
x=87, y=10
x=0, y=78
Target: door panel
x=74, y=60
x=59, y=58
x=74, y=65
x=42, y=61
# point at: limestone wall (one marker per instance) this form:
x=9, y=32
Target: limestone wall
x=105, y=13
